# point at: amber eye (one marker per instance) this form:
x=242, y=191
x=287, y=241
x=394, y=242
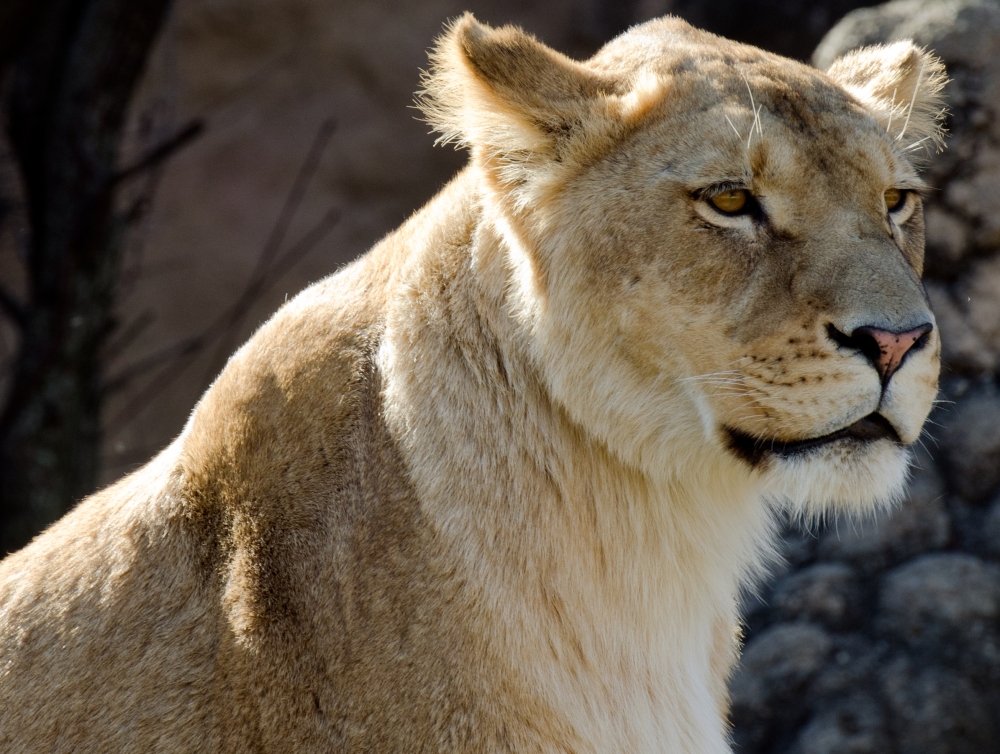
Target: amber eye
x=732, y=201
x=894, y=198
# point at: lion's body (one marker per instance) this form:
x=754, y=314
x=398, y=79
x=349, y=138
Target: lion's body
x=432, y=506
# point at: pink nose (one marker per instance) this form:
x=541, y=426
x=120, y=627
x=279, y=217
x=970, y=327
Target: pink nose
x=889, y=347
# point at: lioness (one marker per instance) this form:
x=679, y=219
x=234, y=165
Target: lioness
x=497, y=485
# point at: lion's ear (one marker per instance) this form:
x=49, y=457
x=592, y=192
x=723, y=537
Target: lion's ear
x=506, y=95
x=901, y=84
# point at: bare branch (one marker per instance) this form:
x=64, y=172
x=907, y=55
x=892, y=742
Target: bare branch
x=295, y=196
x=158, y=154
x=179, y=356
x=184, y=348
x=274, y=241
x=128, y=335
x=13, y=308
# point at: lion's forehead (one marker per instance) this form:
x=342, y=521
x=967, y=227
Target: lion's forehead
x=820, y=157
x=740, y=97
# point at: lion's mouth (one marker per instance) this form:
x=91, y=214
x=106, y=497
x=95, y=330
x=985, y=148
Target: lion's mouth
x=755, y=449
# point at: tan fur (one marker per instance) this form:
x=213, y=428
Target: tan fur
x=478, y=492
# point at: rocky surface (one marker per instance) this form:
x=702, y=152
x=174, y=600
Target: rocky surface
x=906, y=608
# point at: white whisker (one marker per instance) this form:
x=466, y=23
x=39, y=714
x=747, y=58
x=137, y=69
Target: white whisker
x=734, y=128
x=709, y=374
x=913, y=99
x=753, y=107
x=916, y=144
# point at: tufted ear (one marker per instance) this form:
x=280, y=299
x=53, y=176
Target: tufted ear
x=901, y=84
x=515, y=102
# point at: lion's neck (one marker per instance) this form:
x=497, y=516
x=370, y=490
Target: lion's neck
x=611, y=584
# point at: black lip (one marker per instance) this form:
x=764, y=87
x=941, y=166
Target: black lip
x=754, y=450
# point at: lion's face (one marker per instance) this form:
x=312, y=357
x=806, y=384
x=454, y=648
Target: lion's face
x=725, y=257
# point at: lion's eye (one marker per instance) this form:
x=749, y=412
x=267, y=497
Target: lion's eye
x=731, y=202
x=894, y=198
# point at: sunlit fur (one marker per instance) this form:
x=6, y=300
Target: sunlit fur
x=478, y=492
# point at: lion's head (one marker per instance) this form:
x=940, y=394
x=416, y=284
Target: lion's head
x=717, y=251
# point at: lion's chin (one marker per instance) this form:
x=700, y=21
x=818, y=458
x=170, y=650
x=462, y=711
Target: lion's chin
x=846, y=476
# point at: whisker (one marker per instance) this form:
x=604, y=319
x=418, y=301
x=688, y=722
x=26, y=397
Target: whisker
x=913, y=99
x=755, y=417
x=756, y=113
x=734, y=128
x=892, y=110
x=916, y=144
x=708, y=374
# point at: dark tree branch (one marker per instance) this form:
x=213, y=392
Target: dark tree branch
x=294, y=199
x=13, y=308
x=179, y=356
x=262, y=269
x=127, y=336
x=18, y=20
x=186, y=347
x=67, y=97
x=160, y=153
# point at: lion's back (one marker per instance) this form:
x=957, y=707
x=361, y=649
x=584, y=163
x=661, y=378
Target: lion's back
x=98, y=617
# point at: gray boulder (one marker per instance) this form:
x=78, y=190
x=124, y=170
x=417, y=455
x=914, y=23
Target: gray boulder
x=826, y=593
x=947, y=606
x=971, y=441
x=854, y=725
x=773, y=673
x=933, y=710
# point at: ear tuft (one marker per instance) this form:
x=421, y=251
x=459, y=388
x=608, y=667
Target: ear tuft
x=902, y=85
x=505, y=94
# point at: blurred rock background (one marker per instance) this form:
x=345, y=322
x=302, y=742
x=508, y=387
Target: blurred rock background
x=881, y=637
x=884, y=637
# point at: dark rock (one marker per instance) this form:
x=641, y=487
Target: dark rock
x=980, y=290
x=774, y=670
x=919, y=524
x=971, y=438
x=852, y=666
x=797, y=547
x=826, y=593
x=933, y=710
x=963, y=347
x=946, y=605
x=853, y=725
x=990, y=534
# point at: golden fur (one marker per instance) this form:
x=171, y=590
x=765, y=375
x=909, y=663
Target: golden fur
x=496, y=486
